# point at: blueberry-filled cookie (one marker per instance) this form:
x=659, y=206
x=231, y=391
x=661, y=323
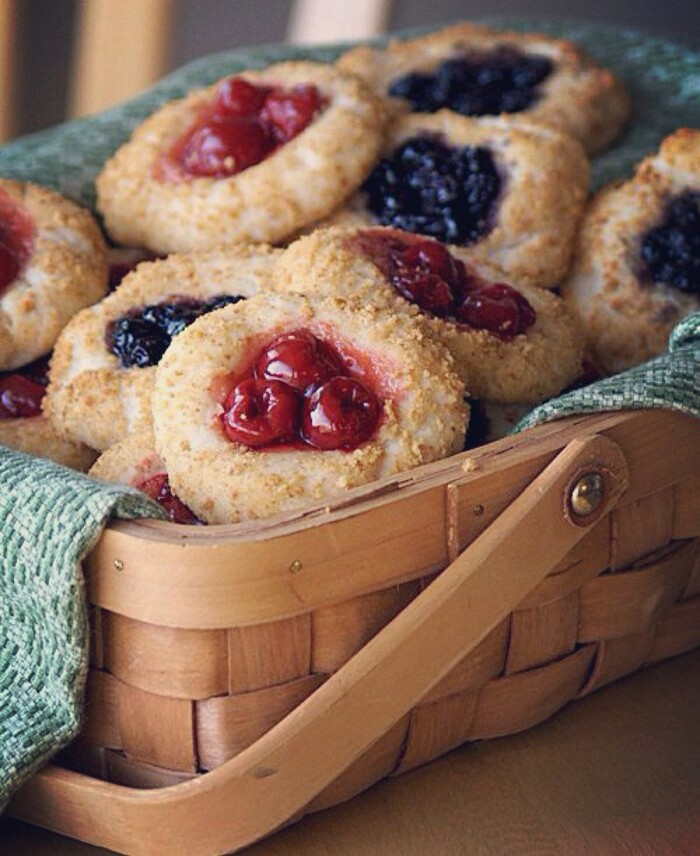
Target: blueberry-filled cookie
x=502, y=191
x=103, y=366
x=510, y=342
x=636, y=269
x=23, y=425
x=285, y=400
x=53, y=263
x=477, y=71
x=254, y=157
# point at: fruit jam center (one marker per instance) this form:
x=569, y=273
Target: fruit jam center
x=672, y=249
x=158, y=488
x=16, y=240
x=22, y=390
x=425, y=273
x=482, y=83
x=300, y=391
x=141, y=337
x=242, y=126
x=429, y=188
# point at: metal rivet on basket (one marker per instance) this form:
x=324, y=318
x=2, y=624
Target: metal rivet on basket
x=295, y=567
x=118, y=564
x=477, y=510
x=587, y=494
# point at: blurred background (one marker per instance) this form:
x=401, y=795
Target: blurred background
x=63, y=58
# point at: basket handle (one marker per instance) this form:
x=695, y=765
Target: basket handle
x=265, y=786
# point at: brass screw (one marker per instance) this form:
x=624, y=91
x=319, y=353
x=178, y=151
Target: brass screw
x=118, y=564
x=295, y=567
x=587, y=494
x=477, y=510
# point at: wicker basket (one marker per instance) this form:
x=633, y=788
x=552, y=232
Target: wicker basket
x=247, y=675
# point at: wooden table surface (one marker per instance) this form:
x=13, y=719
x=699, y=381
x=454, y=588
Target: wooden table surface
x=616, y=774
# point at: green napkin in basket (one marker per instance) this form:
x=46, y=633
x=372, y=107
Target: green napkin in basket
x=50, y=517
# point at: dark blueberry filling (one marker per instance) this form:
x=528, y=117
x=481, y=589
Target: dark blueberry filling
x=672, y=249
x=501, y=81
x=142, y=336
x=429, y=188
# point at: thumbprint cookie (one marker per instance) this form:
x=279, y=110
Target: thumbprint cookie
x=502, y=191
x=23, y=425
x=510, y=342
x=53, y=263
x=134, y=461
x=103, y=366
x=636, y=269
x=255, y=157
x=285, y=400
x=477, y=71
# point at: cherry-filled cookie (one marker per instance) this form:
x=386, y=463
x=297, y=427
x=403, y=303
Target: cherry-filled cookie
x=53, y=263
x=510, y=342
x=256, y=157
x=503, y=191
x=476, y=71
x=103, y=367
x=285, y=400
x=636, y=268
x=23, y=425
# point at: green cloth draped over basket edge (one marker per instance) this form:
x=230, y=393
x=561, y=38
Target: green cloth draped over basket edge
x=50, y=517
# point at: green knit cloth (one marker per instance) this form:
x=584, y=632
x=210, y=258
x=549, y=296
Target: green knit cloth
x=50, y=517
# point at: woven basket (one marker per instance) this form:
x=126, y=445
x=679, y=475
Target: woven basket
x=247, y=675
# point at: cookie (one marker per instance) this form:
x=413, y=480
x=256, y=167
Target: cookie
x=636, y=269
x=102, y=370
x=22, y=425
x=284, y=400
x=477, y=71
x=53, y=263
x=510, y=342
x=134, y=461
x=253, y=158
x=501, y=191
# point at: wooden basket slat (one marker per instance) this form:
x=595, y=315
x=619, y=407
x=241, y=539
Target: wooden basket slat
x=187, y=664
x=543, y=634
x=686, y=507
x=677, y=632
x=629, y=602
x=516, y=702
x=101, y=724
x=642, y=527
x=616, y=658
x=227, y=725
x=264, y=655
x=135, y=774
x=692, y=588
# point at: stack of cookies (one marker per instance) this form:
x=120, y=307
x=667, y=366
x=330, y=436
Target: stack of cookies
x=343, y=263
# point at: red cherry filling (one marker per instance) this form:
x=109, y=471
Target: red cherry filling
x=22, y=391
x=242, y=126
x=341, y=414
x=260, y=413
x=16, y=238
x=424, y=272
x=299, y=359
x=158, y=488
x=497, y=308
x=301, y=391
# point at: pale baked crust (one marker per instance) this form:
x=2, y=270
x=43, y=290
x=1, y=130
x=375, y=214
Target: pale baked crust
x=301, y=182
x=532, y=366
x=578, y=97
x=130, y=461
x=627, y=320
x=545, y=180
x=66, y=271
x=424, y=416
x=37, y=436
x=93, y=399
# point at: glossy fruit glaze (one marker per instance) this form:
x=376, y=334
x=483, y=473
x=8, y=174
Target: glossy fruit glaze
x=16, y=239
x=243, y=124
x=22, y=390
x=301, y=393
x=425, y=273
x=158, y=488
